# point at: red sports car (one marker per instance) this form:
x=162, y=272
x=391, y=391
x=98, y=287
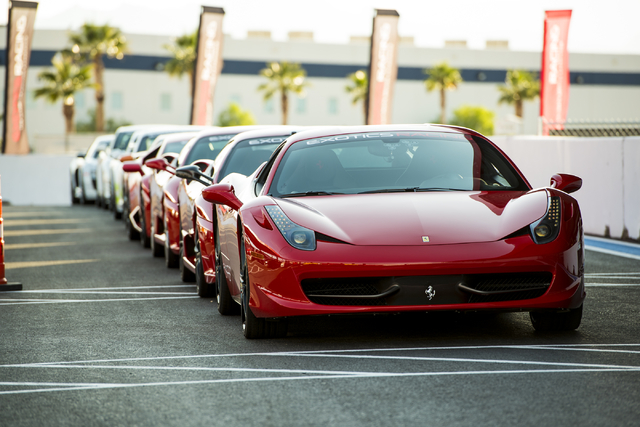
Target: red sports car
x=242, y=155
x=397, y=218
x=201, y=150
x=138, y=184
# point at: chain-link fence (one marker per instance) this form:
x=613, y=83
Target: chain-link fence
x=586, y=128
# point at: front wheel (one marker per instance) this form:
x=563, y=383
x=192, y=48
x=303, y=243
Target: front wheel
x=254, y=327
x=203, y=288
x=548, y=321
x=170, y=259
x=156, y=250
x=226, y=305
x=186, y=275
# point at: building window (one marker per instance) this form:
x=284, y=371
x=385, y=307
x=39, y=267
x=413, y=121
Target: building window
x=301, y=105
x=268, y=106
x=116, y=100
x=333, y=105
x=79, y=100
x=165, y=101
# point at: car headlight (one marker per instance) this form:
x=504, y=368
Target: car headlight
x=546, y=229
x=296, y=235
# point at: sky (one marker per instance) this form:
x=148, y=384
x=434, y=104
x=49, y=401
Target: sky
x=596, y=26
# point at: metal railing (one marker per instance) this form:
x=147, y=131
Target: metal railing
x=587, y=128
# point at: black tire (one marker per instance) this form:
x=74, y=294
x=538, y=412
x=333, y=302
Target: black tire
x=74, y=199
x=186, y=275
x=552, y=321
x=145, y=241
x=132, y=233
x=254, y=327
x=83, y=199
x=112, y=201
x=156, y=250
x=170, y=259
x=226, y=305
x=204, y=289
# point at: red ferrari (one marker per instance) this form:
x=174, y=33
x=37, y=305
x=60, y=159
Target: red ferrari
x=200, y=151
x=242, y=155
x=397, y=218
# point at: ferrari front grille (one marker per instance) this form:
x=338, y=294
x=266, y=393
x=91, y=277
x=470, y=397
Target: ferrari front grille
x=427, y=290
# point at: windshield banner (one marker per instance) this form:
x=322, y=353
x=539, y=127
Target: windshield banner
x=208, y=65
x=554, y=78
x=383, y=66
x=22, y=15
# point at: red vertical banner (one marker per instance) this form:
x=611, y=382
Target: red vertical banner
x=22, y=16
x=383, y=66
x=208, y=65
x=554, y=77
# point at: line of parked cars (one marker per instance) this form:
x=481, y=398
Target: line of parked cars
x=278, y=222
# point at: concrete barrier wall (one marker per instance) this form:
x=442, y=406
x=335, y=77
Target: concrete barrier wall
x=36, y=179
x=609, y=167
x=610, y=170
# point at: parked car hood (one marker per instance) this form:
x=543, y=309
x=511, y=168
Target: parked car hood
x=406, y=218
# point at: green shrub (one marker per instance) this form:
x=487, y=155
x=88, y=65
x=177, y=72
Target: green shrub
x=474, y=117
x=234, y=115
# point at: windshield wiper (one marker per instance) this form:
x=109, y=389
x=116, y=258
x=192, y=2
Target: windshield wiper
x=409, y=190
x=309, y=193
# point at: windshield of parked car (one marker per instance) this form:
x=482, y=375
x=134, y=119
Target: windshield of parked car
x=207, y=147
x=122, y=140
x=248, y=154
x=175, y=146
x=393, y=162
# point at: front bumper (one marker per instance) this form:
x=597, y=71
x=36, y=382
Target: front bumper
x=429, y=278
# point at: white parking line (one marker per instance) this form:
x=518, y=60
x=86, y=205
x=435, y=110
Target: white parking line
x=61, y=301
x=90, y=386
x=595, y=285
x=313, y=374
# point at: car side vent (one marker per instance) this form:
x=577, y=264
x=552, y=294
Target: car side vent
x=324, y=238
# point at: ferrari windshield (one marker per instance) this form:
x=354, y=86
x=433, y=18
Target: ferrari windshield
x=207, y=147
x=393, y=162
x=248, y=154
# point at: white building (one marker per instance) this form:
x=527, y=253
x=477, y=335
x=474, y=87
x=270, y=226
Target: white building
x=138, y=91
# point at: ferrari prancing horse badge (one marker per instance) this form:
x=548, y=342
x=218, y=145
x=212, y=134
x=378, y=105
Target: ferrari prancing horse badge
x=425, y=239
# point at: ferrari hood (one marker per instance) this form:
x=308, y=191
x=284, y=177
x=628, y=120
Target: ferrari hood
x=435, y=218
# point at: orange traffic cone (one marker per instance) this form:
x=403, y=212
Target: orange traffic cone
x=4, y=284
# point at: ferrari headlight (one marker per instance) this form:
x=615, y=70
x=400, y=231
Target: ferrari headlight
x=297, y=236
x=547, y=228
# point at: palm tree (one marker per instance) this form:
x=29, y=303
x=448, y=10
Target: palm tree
x=183, y=61
x=283, y=77
x=91, y=43
x=358, y=87
x=442, y=77
x=62, y=82
x=519, y=86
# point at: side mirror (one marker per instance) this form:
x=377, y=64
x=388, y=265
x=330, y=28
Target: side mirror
x=126, y=158
x=222, y=194
x=192, y=172
x=159, y=163
x=81, y=154
x=132, y=167
x=565, y=182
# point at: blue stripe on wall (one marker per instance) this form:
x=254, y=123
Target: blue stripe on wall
x=42, y=58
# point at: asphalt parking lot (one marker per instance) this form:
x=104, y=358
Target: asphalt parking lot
x=104, y=334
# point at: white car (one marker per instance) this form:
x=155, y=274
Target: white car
x=140, y=141
x=103, y=175
x=82, y=171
